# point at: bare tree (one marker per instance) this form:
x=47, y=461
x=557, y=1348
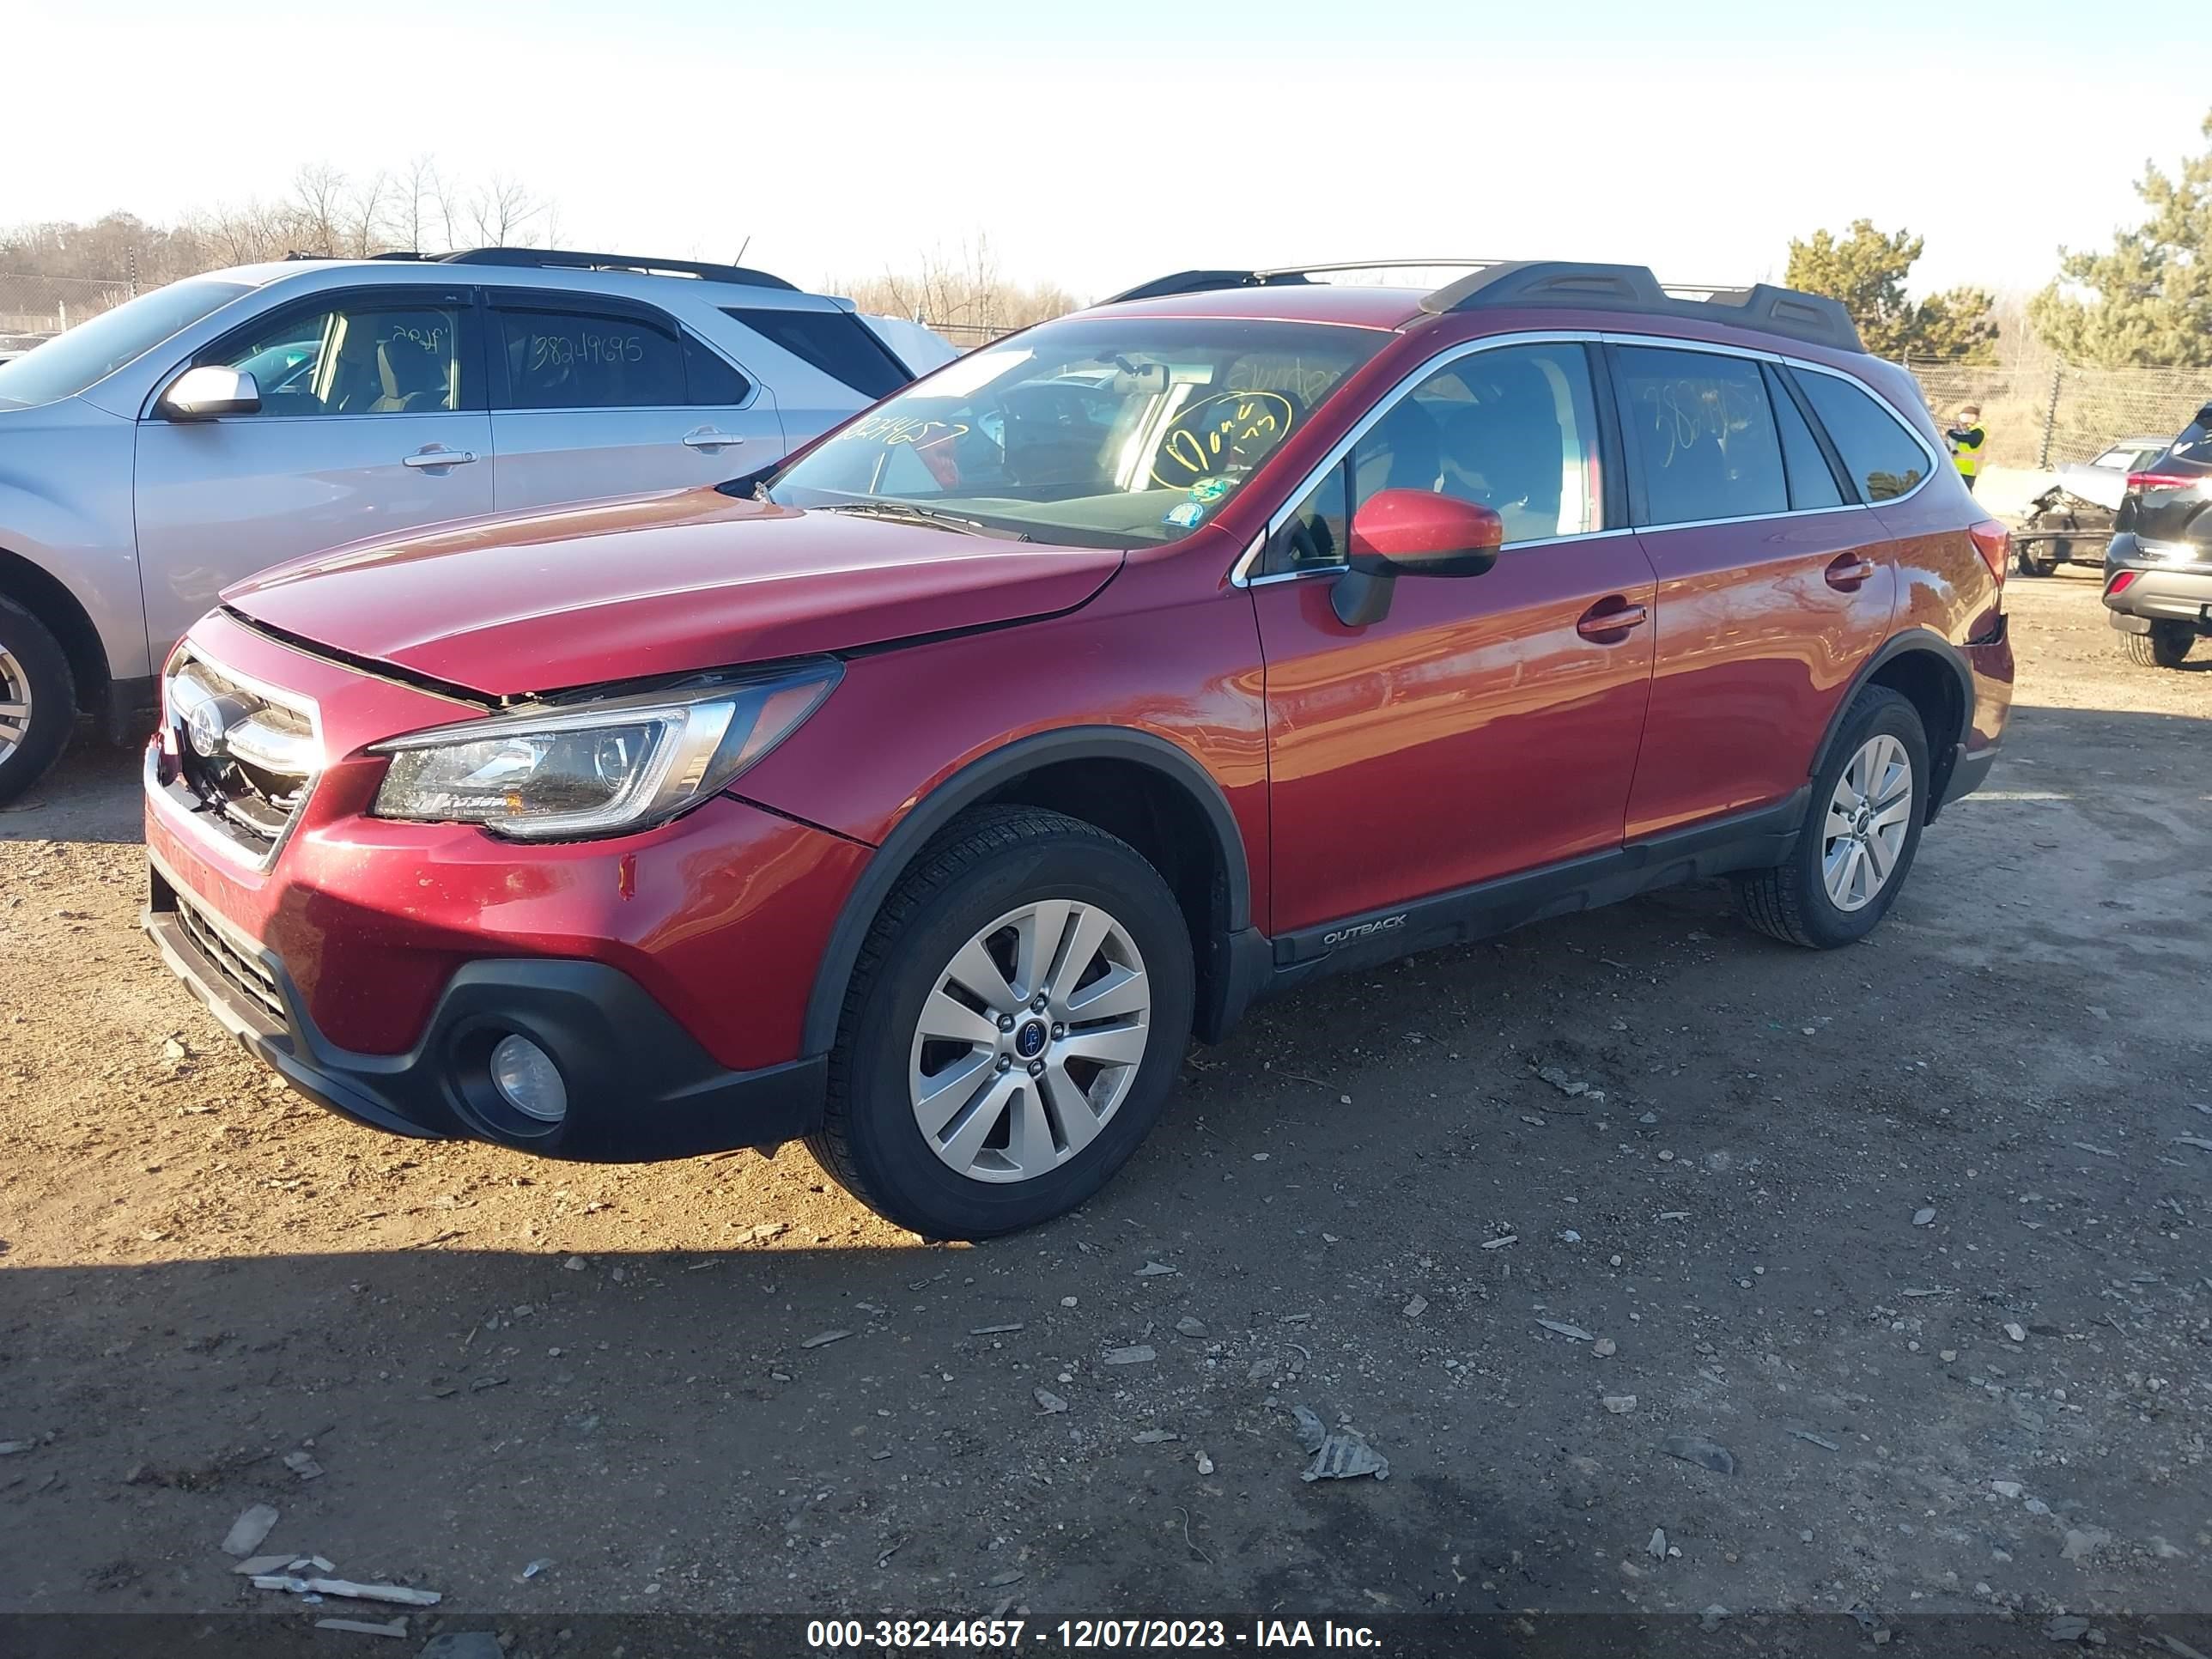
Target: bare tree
x=419, y=193
x=963, y=293
x=318, y=194
x=500, y=211
x=366, y=230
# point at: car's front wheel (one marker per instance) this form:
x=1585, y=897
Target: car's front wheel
x=2166, y=646
x=1862, y=829
x=38, y=700
x=1012, y=1029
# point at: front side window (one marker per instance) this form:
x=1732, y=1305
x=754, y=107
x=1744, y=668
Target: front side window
x=353, y=359
x=577, y=360
x=1097, y=430
x=1704, y=432
x=81, y=357
x=1885, y=460
x=1514, y=429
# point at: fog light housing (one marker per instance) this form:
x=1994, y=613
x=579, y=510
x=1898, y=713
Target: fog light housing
x=528, y=1080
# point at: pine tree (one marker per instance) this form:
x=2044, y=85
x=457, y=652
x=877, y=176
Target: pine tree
x=2149, y=299
x=1867, y=270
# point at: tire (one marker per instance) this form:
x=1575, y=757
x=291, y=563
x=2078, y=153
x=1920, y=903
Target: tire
x=2166, y=646
x=1794, y=901
x=33, y=674
x=2028, y=565
x=966, y=894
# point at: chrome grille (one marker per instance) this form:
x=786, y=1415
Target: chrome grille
x=243, y=969
x=248, y=754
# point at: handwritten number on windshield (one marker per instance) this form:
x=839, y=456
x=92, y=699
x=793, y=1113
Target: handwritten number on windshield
x=1229, y=432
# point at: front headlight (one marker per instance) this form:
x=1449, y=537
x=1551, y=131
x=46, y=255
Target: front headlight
x=604, y=768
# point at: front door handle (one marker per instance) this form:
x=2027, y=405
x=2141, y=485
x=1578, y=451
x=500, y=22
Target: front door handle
x=1847, y=572
x=1608, y=621
x=707, y=439
x=437, y=455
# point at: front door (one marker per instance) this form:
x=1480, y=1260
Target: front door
x=600, y=396
x=372, y=422
x=1487, y=724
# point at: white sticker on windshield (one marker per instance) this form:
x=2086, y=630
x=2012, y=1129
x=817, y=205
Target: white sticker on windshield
x=963, y=375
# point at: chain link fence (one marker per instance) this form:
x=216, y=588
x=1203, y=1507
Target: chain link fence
x=40, y=306
x=2043, y=415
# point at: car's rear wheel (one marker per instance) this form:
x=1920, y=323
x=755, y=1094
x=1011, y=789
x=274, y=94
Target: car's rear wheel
x=1013, y=1026
x=1861, y=831
x=2030, y=564
x=38, y=700
x=2166, y=646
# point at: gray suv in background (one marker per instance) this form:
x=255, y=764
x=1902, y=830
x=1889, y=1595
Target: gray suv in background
x=227, y=423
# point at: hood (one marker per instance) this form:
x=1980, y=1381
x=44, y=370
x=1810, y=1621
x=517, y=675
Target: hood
x=655, y=584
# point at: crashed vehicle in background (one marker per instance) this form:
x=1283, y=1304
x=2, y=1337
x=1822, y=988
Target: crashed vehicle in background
x=2071, y=522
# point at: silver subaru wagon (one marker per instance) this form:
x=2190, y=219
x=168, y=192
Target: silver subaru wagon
x=227, y=423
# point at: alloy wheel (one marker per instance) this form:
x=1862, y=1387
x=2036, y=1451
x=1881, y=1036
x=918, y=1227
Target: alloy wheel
x=1869, y=816
x=14, y=703
x=1030, y=1040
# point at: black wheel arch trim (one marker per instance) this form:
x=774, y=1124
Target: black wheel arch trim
x=970, y=784
x=1925, y=642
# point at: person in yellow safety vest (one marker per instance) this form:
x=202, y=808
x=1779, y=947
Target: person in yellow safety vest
x=1967, y=439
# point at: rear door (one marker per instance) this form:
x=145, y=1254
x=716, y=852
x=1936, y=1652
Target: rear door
x=596, y=396
x=1774, y=582
x=372, y=421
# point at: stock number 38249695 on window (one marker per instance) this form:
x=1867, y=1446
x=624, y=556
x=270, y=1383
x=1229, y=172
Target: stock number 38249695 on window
x=830, y=1634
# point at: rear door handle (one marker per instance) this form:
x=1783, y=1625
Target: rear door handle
x=1610, y=626
x=706, y=438
x=1847, y=572
x=437, y=455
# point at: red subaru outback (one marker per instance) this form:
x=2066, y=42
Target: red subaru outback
x=922, y=795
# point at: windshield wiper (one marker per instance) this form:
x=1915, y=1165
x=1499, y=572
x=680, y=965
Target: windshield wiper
x=914, y=512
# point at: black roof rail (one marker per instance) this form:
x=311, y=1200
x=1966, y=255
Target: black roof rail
x=1200, y=282
x=570, y=259
x=1761, y=308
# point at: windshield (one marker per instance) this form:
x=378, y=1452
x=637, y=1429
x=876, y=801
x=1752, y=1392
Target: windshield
x=90, y=352
x=1100, y=431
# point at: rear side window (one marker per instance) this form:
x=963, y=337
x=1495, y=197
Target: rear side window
x=1812, y=481
x=576, y=360
x=837, y=342
x=1704, y=430
x=1884, y=459
x=2193, y=448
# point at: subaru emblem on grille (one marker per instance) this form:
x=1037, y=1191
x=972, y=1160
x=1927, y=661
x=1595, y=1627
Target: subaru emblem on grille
x=205, y=728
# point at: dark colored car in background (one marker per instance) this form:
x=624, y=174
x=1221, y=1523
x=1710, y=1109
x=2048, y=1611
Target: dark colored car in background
x=2158, y=567
x=923, y=794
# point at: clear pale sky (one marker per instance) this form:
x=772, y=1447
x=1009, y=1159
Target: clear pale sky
x=1098, y=145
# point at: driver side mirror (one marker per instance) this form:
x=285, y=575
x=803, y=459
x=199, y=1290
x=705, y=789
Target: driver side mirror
x=202, y=394
x=1412, y=532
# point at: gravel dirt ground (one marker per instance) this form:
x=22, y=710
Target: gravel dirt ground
x=1913, y=1233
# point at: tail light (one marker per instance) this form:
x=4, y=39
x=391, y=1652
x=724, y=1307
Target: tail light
x=2121, y=583
x=1994, y=543
x=2160, y=480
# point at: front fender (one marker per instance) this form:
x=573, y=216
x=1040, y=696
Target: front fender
x=65, y=507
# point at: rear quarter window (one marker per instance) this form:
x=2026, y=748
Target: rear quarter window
x=1884, y=459
x=837, y=342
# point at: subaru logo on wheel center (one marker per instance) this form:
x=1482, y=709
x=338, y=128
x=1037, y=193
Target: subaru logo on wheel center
x=1030, y=1041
